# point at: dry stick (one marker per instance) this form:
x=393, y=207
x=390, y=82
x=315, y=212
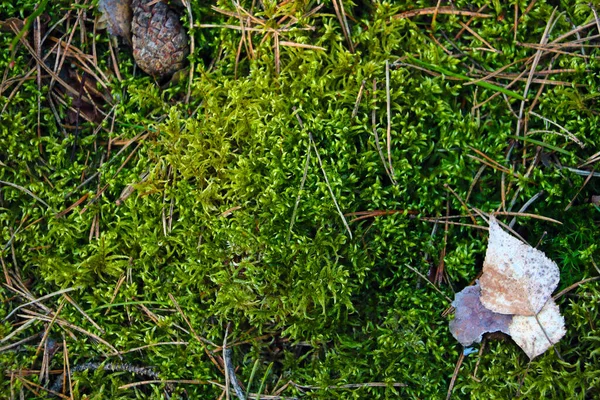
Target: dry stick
x=437, y=6
x=192, y=49
x=302, y=182
x=497, y=72
x=72, y=206
x=148, y=346
x=455, y=374
x=462, y=202
x=568, y=134
x=475, y=180
x=551, y=49
x=62, y=323
x=47, y=332
x=428, y=282
x=573, y=286
x=41, y=299
x=341, y=15
x=17, y=331
x=312, y=141
x=527, y=215
x=187, y=321
x=301, y=45
x=581, y=188
x=67, y=366
x=115, y=63
x=358, y=99
x=199, y=338
x=348, y=385
x=508, y=228
x=249, y=29
x=227, y=378
x=377, y=213
x=590, y=5
x=389, y=117
x=459, y=34
x=374, y=124
x=440, y=10
x=525, y=206
x=230, y=371
x=74, y=304
x=439, y=272
x=436, y=220
x=30, y=193
x=494, y=166
x=59, y=61
x=5, y=270
x=534, y=64
x=237, y=58
x=477, y=106
x=440, y=45
x=20, y=342
x=31, y=386
x=38, y=49
x=482, y=40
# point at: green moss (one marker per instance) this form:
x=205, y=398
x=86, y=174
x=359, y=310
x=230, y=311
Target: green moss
x=212, y=221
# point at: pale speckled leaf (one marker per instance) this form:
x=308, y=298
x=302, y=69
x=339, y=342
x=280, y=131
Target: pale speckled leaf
x=536, y=334
x=517, y=279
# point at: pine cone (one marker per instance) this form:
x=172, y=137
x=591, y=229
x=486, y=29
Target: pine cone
x=159, y=40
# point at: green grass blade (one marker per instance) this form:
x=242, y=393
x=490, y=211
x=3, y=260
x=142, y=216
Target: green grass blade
x=483, y=84
x=543, y=144
x=264, y=380
x=254, y=368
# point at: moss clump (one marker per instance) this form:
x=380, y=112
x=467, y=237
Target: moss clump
x=233, y=217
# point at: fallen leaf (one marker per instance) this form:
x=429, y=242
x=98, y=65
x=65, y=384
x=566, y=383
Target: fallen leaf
x=116, y=17
x=517, y=279
x=536, y=334
x=472, y=319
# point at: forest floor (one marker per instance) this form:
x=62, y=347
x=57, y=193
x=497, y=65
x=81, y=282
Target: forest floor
x=292, y=214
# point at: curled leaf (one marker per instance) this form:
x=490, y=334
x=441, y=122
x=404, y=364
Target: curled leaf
x=517, y=279
x=472, y=319
x=536, y=334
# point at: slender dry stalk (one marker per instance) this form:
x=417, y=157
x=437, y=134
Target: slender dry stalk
x=455, y=375
x=440, y=10
x=389, y=117
x=358, y=99
x=341, y=15
x=312, y=141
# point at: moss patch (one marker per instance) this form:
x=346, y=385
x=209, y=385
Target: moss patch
x=233, y=211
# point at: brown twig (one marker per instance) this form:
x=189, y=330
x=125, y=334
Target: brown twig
x=440, y=10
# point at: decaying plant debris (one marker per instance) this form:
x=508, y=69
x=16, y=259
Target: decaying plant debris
x=291, y=216
x=513, y=296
